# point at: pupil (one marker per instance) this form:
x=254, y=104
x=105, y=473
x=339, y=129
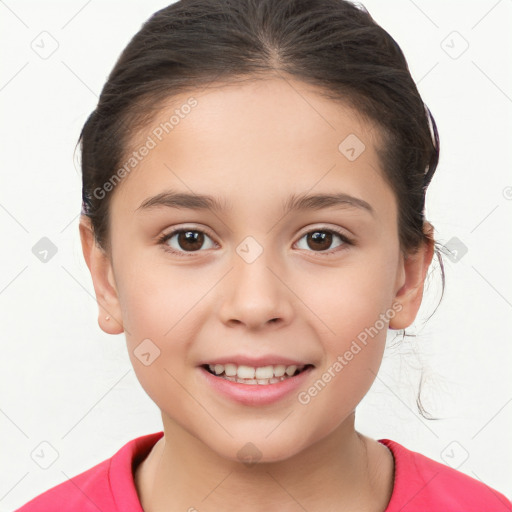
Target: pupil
x=194, y=239
x=320, y=237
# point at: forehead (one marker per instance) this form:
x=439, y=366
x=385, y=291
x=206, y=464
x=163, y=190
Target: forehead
x=258, y=139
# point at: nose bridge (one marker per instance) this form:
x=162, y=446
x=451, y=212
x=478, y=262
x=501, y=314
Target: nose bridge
x=255, y=294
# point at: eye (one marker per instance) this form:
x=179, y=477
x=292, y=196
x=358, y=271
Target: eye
x=320, y=240
x=185, y=240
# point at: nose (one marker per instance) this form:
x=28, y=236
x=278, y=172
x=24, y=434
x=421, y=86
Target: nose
x=256, y=294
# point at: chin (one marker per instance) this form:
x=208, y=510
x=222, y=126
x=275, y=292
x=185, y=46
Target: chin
x=257, y=449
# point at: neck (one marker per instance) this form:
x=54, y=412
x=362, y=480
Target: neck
x=340, y=471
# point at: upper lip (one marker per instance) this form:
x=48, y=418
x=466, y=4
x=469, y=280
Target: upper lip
x=254, y=362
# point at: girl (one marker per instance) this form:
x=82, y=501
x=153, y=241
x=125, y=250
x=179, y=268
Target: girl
x=254, y=181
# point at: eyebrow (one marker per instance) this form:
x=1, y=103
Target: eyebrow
x=296, y=202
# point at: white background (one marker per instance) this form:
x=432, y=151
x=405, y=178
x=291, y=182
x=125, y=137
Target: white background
x=66, y=382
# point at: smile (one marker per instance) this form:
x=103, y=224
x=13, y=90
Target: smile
x=263, y=375
x=252, y=386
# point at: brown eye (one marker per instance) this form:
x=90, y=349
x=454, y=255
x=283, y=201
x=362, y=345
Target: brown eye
x=182, y=241
x=190, y=240
x=321, y=240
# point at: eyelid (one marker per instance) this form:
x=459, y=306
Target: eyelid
x=186, y=227
x=326, y=227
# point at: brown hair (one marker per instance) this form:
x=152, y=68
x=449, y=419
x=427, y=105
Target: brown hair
x=331, y=44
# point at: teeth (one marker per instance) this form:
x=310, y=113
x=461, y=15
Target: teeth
x=249, y=375
x=230, y=370
x=279, y=370
x=264, y=372
x=245, y=372
x=291, y=370
x=273, y=380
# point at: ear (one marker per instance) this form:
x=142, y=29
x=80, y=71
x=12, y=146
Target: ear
x=102, y=274
x=412, y=273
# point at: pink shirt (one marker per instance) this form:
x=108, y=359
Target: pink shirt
x=421, y=484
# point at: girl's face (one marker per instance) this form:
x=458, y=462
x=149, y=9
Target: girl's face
x=254, y=279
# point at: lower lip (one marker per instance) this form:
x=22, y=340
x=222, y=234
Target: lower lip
x=255, y=394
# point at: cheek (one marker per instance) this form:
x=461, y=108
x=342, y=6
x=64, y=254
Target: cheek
x=163, y=309
x=157, y=297
x=349, y=298
x=352, y=306
x=353, y=353
x=159, y=308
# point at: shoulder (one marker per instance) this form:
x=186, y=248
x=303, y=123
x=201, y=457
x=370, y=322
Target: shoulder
x=79, y=493
x=108, y=486
x=421, y=483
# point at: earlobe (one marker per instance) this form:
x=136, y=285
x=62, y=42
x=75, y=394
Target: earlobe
x=100, y=267
x=413, y=271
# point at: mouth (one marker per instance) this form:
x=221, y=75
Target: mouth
x=263, y=375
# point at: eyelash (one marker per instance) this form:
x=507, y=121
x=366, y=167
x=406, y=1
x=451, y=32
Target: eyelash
x=167, y=236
